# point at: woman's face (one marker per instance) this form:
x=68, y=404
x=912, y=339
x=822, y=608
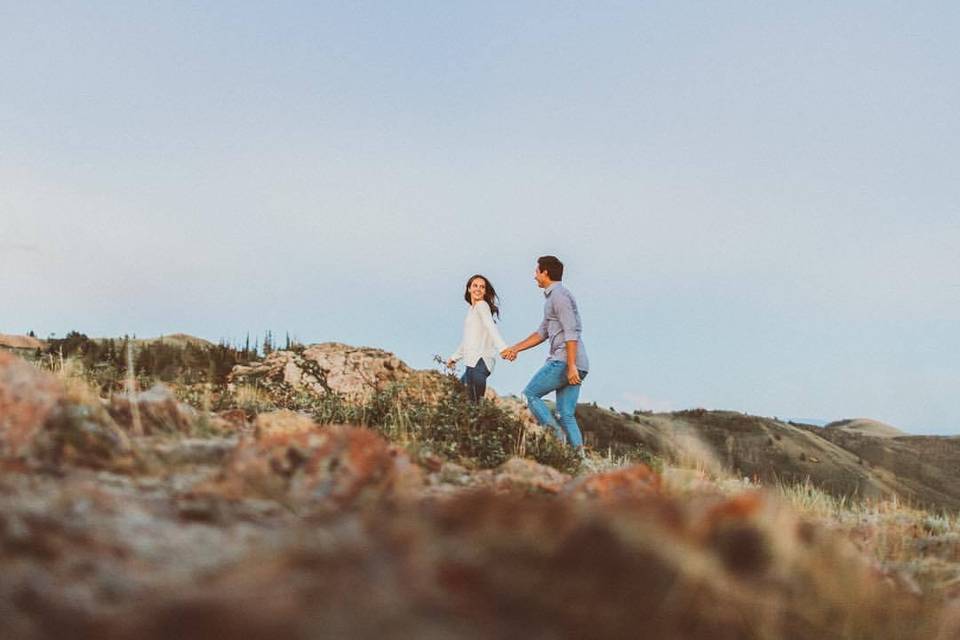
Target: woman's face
x=478, y=288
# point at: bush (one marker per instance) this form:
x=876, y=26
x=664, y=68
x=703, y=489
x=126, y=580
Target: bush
x=482, y=435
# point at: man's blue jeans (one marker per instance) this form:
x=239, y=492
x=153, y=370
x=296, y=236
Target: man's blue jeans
x=553, y=377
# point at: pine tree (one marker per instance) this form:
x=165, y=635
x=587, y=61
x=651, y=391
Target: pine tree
x=268, y=343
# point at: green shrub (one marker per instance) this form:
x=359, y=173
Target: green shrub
x=480, y=435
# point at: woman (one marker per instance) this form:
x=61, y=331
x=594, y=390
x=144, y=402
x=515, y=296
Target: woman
x=481, y=341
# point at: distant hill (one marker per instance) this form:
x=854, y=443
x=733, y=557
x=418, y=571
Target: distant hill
x=175, y=339
x=816, y=422
x=20, y=342
x=844, y=462
x=867, y=427
x=11, y=341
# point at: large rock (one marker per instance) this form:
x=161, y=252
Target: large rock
x=492, y=565
x=28, y=399
x=621, y=484
x=332, y=467
x=356, y=373
x=40, y=423
x=157, y=411
x=525, y=476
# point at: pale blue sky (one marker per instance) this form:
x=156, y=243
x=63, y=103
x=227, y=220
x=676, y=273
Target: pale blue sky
x=758, y=202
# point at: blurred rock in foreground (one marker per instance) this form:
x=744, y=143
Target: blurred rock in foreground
x=288, y=529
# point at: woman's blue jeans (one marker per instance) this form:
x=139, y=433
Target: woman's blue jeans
x=475, y=379
x=553, y=377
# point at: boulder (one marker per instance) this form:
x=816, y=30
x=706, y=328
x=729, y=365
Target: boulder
x=158, y=411
x=356, y=373
x=626, y=483
x=40, y=423
x=28, y=399
x=333, y=467
x=527, y=476
x=483, y=564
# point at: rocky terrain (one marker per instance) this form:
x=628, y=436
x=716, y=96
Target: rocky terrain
x=247, y=513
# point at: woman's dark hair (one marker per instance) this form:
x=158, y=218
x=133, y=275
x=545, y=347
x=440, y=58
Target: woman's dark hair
x=553, y=267
x=490, y=296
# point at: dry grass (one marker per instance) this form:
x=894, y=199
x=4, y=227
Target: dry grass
x=71, y=373
x=914, y=546
x=252, y=398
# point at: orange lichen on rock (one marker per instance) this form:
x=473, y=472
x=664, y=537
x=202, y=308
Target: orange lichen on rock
x=627, y=483
x=28, y=398
x=333, y=466
x=41, y=424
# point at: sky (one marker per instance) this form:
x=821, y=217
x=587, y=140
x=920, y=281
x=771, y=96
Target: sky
x=757, y=203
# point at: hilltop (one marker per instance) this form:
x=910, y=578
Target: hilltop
x=175, y=339
x=867, y=427
x=12, y=342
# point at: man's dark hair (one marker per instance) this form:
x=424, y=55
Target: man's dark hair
x=552, y=265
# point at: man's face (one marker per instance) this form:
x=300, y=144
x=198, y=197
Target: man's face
x=543, y=280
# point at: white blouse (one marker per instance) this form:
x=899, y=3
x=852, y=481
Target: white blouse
x=481, y=339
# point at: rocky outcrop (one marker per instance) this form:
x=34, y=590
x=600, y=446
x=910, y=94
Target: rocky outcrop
x=524, y=476
x=493, y=565
x=156, y=411
x=356, y=373
x=628, y=483
x=323, y=467
x=41, y=424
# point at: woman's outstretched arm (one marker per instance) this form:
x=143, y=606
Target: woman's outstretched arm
x=455, y=356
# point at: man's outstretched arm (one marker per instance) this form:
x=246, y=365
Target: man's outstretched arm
x=510, y=353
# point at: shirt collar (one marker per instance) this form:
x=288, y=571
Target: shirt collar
x=549, y=290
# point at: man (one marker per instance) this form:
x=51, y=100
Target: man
x=566, y=365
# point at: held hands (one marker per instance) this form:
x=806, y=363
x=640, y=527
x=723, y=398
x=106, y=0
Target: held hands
x=509, y=354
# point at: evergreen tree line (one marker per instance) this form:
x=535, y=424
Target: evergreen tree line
x=106, y=359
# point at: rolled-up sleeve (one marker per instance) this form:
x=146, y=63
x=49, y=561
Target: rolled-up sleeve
x=567, y=316
x=542, y=330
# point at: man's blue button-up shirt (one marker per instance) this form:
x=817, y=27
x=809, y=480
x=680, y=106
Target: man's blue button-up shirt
x=561, y=324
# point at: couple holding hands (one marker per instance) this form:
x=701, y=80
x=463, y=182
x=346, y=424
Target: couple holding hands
x=566, y=365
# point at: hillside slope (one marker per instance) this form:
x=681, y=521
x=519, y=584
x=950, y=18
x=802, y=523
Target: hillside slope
x=920, y=469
